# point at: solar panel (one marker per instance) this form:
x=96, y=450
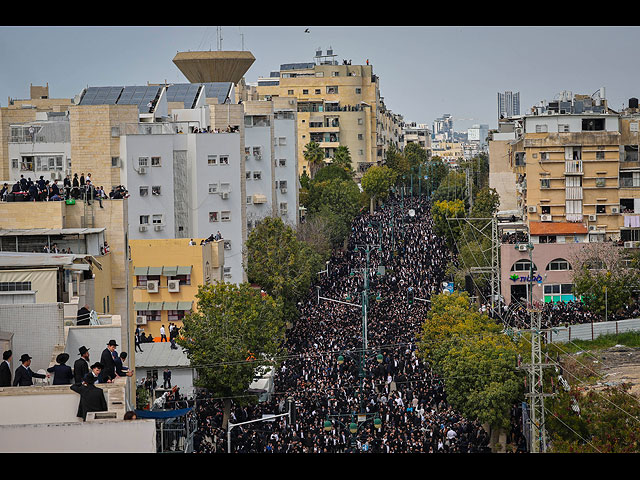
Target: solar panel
x=219, y=90
x=139, y=95
x=183, y=92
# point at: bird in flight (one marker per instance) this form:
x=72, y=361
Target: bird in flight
x=307, y=31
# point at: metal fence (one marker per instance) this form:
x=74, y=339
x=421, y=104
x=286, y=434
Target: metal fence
x=591, y=331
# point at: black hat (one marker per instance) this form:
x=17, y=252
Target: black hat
x=83, y=350
x=7, y=355
x=113, y=343
x=25, y=357
x=97, y=365
x=62, y=358
x=89, y=378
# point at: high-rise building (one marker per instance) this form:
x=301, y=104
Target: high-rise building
x=508, y=104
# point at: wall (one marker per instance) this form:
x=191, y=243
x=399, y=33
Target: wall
x=44, y=281
x=501, y=177
x=26, y=215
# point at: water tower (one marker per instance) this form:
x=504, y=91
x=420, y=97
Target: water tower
x=214, y=66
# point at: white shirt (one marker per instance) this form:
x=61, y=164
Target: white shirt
x=161, y=330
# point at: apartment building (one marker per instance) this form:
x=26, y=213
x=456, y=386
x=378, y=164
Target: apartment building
x=417, y=133
x=450, y=152
x=337, y=105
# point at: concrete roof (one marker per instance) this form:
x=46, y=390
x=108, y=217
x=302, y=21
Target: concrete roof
x=20, y=259
x=50, y=231
x=160, y=355
x=214, y=66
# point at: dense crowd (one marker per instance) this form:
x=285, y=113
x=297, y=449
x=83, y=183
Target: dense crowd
x=401, y=390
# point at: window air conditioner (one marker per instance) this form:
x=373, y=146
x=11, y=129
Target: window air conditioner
x=522, y=247
x=142, y=170
x=283, y=190
x=545, y=218
x=628, y=244
x=531, y=209
x=615, y=210
x=143, y=228
x=592, y=218
x=152, y=286
x=592, y=228
x=158, y=228
x=141, y=320
x=173, y=285
x=225, y=195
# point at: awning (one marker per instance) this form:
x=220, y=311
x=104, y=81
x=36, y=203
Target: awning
x=140, y=271
x=169, y=271
x=184, y=305
x=186, y=270
x=155, y=271
x=162, y=413
x=170, y=306
x=155, y=306
x=140, y=306
x=557, y=228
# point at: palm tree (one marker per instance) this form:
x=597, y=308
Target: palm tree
x=314, y=155
x=342, y=157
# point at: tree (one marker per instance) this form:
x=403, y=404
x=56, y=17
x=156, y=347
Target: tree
x=397, y=162
x=342, y=159
x=377, y=182
x=475, y=358
x=452, y=187
x=281, y=264
x=436, y=170
x=233, y=325
x=602, y=278
x=314, y=155
x=440, y=211
x=331, y=172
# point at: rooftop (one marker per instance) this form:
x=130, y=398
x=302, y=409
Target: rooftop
x=160, y=354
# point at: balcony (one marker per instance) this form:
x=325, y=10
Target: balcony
x=573, y=167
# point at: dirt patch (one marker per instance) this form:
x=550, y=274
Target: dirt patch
x=616, y=365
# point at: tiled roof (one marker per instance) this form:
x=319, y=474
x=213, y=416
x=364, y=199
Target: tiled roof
x=557, y=228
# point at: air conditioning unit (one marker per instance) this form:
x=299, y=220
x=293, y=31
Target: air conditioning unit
x=592, y=228
x=522, y=247
x=152, y=286
x=173, y=285
x=141, y=320
x=158, y=228
x=531, y=209
x=258, y=157
x=592, y=218
x=545, y=218
x=283, y=190
x=142, y=170
x=628, y=244
x=615, y=210
x=227, y=245
x=225, y=195
x=143, y=228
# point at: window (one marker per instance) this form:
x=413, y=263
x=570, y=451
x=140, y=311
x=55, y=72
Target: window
x=155, y=190
x=213, y=188
x=227, y=244
x=225, y=216
x=332, y=90
x=335, y=73
x=283, y=184
x=144, y=219
x=545, y=182
x=601, y=209
x=547, y=239
x=249, y=200
x=545, y=209
x=257, y=175
x=631, y=153
x=541, y=128
x=14, y=163
x=360, y=121
x=212, y=159
x=247, y=175
x=559, y=264
x=143, y=161
x=305, y=91
x=282, y=162
x=175, y=315
x=155, y=161
x=257, y=152
x=152, y=315
x=592, y=124
x=358, y=90
x=544, y=156
x=157, y=219
x=184, y=279
x=282, y=140
x=563, y=128
x=289, y=92
x=317, y=92
x=141, y=280
x=599, y=155
x=15, y=286
x=523, y=266
x=115, y=161
x=600, y=182
x=225, y=187
x=224, y=159
x=360, y=137
x=144, y=191
x=213, y=216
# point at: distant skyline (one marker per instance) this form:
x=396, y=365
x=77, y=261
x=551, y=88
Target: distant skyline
x=424, y=72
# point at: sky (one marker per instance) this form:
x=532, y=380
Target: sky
x=424, y=71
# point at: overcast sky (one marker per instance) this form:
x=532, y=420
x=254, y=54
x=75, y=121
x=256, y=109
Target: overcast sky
x=424, y=71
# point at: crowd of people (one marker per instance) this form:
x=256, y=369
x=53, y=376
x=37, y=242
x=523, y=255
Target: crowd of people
x=400, y=390
x=41, y=190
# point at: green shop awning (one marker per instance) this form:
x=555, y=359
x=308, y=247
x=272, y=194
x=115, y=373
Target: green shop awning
x=155, y=271
x=155, y=306
x=169, y=271
x=184, y=305
x=140, y=306
x=140, y=271
x=170, y=306
x=186, y=270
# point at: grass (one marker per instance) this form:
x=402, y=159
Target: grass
x=628, y=339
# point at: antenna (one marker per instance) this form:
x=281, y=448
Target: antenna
x=219, y=33
x=241, y=38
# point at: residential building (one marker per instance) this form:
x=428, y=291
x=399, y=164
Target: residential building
x=417, y=133
x=443, y=128
x=450, y=152
x=478, y=134
x=508, y=104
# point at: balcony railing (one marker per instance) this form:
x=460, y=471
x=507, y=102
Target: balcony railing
x=573, y=166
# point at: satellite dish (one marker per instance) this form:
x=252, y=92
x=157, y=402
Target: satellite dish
x=412, y=213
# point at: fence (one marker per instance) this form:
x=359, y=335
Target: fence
x=591, y=331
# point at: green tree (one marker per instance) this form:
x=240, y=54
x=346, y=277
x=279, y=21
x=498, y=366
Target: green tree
x=314, y=155
x=450, y=230
x=436, y=170
x=233, y=325
x=397, y=162
x=331, y=172
x=280, y=263
x=377, y=182
x=452, y=187
x=342, y=159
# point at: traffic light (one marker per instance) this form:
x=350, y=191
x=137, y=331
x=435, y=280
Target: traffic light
x=410, y=295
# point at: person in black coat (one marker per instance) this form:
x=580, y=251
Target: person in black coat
x=91, y=397
x=81, y=365
x=62, y=373
x=24, y=375
x=5, y=369
x=108, y=372
x=83, y=316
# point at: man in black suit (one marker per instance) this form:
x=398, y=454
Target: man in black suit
x=108, y=372
x=81, y=365
x=83, y=316
x=5, y=369
x=24, y=375
x=91, y=397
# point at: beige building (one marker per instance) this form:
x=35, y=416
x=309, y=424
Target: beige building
x=338, y=105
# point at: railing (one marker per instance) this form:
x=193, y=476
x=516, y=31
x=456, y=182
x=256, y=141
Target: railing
x=573, y=166
x=160, y=128
x=590, y=331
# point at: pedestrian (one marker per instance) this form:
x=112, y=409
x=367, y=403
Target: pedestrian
x=62, y=373
x=91, y=397
x=163, y=336
x=108, y=372
x=137, y=340
x=81, y=365
x=24, y=375
x=5, y=369
x=166, y=375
